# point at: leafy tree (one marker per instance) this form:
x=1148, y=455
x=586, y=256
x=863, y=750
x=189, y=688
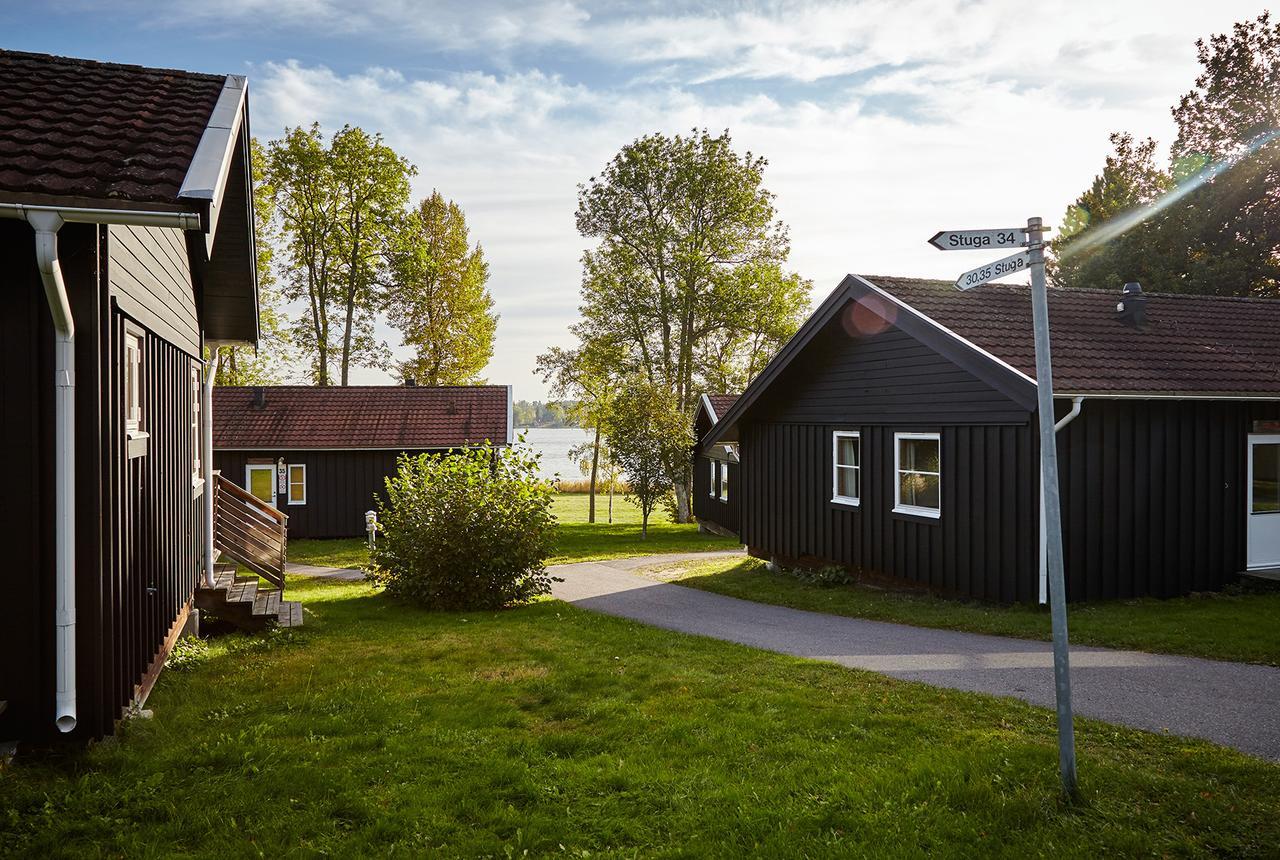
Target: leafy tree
x=687, y=278
x=649, y=437
x=438, y=299
x=267, y=364
x=470, y=530
x=586, y=373
x=595, y=459
x=338, y=205
x=1211, y=222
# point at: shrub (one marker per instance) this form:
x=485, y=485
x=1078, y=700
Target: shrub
x=470, y=530
x=827, y=575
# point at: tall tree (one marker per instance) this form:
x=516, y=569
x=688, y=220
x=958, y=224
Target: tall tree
x=1210, y=223
x=689, y=253
x=588, y=375
x=649, y=438
x=338, y=206
x=438, y=297
x=372, y=184
x=268, y=363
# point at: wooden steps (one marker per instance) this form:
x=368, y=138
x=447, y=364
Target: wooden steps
x=243, y=602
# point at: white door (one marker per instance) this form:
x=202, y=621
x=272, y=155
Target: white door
x=1264, y=501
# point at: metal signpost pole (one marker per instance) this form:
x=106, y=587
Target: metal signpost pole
x=1052, y=508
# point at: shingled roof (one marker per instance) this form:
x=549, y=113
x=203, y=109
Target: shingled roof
x=1191, y=345
x=84, y=133
x=721, y=403
x=390, y=417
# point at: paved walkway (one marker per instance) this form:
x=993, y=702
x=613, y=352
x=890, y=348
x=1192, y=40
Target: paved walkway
x=1233, y=704
x=346, y=574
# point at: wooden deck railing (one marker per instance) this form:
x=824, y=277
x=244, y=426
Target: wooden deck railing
x=249, y=531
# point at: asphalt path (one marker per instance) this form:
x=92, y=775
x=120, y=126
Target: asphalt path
x=1233, y=704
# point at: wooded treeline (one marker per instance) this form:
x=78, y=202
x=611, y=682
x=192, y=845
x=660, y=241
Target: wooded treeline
x=341, y=246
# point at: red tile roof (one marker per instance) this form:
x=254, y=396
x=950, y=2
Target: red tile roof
x=1201, y=345
x=721, y=403
x=88, y=131
x=298, y=417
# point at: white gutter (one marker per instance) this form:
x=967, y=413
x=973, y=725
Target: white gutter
x=1076, y=402
x=206, y=468
x=46, y=221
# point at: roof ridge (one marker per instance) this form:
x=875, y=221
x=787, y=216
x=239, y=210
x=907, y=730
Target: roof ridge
x=103, y=64
x=1074, y=290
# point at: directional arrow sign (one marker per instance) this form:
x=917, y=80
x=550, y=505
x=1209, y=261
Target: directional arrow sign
x=1019, y=262
x=977, y=240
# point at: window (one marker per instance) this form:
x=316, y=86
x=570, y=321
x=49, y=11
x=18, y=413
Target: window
x=918, y=466
x=134, y=420
x=724, y=480
x=195, y=422
x=132, y=382
x=297, y=484
x=846, y=470
x=715, y=473
x=260, y=480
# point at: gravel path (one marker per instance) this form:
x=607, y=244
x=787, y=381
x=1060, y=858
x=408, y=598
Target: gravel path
x=1234, y=704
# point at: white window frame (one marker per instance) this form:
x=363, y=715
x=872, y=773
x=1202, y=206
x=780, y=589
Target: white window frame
x=288, y=484
x=723, y=494
x=915, y=510
x=197, y=473
x=133, y=382
x=715, y=472
x=836, y=466
x=248, y=480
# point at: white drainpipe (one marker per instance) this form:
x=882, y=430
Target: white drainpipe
x=46, y=221
x=206, y=432
x=1076, y=403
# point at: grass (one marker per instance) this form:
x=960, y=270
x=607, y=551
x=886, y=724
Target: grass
x=579, y=539
x=380, y=730
x=1230, y=626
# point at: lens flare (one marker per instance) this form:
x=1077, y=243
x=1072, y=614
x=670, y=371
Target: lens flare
x=868, y=316
x=1117, y=226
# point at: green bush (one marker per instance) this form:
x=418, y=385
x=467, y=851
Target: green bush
x=470, y=530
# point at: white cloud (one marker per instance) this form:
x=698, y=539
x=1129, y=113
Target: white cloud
x=977, y=115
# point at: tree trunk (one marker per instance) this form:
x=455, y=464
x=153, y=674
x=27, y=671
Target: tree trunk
x=346, y=336
x=611, y=500
x=595, y=465
x=682, y=502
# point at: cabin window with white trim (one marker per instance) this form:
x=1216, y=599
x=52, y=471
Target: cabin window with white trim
x=297, y=484
x=195, y=422
x=846, y=470
x=132, y=383
x=715, y=473
x=723, y=494
x=918, y=472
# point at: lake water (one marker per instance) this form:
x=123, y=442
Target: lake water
x=554, y=444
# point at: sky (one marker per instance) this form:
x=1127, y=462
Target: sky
x=883, y=121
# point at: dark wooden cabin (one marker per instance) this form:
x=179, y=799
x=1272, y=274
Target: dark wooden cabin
x=126, y=244
x=715, y=470
x=322, y=454
x=895, y=434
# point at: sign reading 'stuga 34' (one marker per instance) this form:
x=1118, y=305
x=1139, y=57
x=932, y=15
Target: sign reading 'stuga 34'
x=976, y=240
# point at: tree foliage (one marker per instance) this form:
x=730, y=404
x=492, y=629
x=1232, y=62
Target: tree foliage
x=687, y=284
x=470, y=530
x=438, y=299
x=1210, y=222
x=587, y=374
x=339, y=204
x=649, y=437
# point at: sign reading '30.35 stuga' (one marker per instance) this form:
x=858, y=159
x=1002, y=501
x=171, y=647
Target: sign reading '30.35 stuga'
x=1010, y=265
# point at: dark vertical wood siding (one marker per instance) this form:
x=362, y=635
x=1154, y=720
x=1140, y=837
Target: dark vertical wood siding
x=709, y=508
x=984, y=544
x=341, y=486
x=1154, y=494
x=138, y=525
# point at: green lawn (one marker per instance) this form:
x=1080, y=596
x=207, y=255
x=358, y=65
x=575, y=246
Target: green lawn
x=1240, y=626
x=380, y=730
x=579, y=540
